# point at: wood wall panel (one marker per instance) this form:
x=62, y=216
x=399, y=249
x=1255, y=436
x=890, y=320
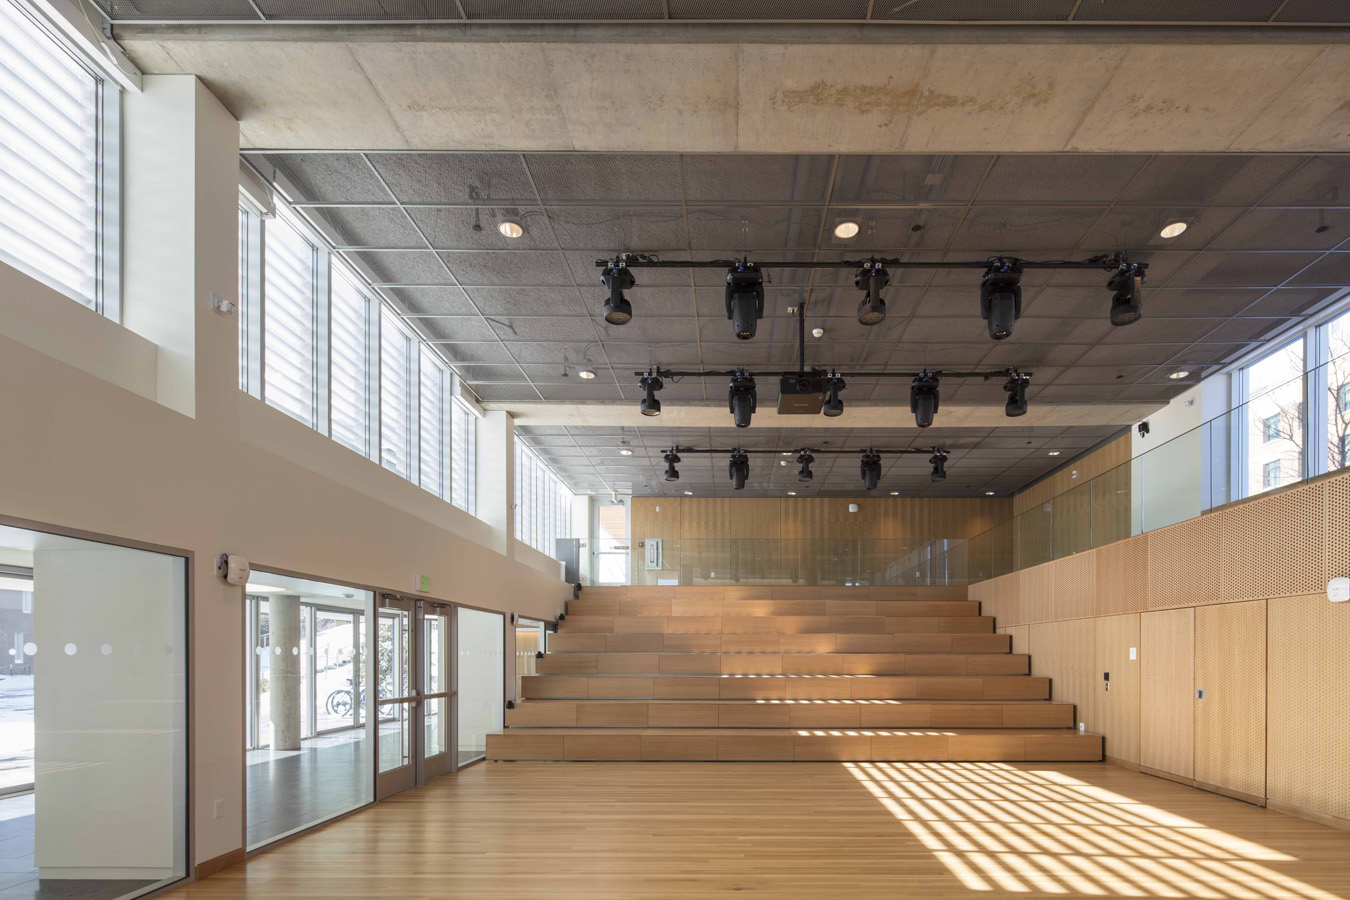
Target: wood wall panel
x=1106, y=459
x=1230, y=723
x=1122, y=576
x=1021, y=637
x=1184, y=563
x=1338, y=527
x=1075, y=584
x=1274, y=546
x=1308, y=736
x=1167, y=695
x=1065, y=653
x=1116, y=711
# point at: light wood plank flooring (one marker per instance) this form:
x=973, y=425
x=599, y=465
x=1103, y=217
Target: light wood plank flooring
x=801, y=830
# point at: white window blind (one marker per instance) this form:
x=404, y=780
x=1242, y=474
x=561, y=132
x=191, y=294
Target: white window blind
x=463, y=458
x=543, y=503
x=395, y=396
x=49, y=159
x=351, y=384
x=246, y=244
x=289, y=322
x=432, y=411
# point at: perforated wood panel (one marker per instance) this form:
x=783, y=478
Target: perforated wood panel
x=1308, y=735
x=1020, y=637
x=1064, y=652
x=1167, y=681
x=1036, y=595
x=1230, y=723
x=1122, y=576
x=1116, y=711
x=1338, y=526
x=1075, y=579
x=1275, y=546
x=1184, y=563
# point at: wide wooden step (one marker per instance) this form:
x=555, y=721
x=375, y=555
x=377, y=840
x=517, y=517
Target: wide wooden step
x=776, y=625
x=784, y=687
x=1050, y=745
x=596, y=606
x=784, y=664
x=642, y=642
x=790, y=714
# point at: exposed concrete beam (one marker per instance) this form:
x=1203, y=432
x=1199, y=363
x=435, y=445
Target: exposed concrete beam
x=829, y=96
x=892, y=417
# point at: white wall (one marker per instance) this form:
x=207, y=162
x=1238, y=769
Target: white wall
x=236, y=476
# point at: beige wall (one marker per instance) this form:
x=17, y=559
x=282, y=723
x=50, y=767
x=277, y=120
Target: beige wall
x=1233, y=603
x=81, y=452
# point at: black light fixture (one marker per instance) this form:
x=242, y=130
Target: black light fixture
x=1001, y=297
x=871, y=469
x=923, y=398
x=1016, y=386
x=671, y=458
x=1128, y=298
x=939, y=461
x=833, y=405
x=739, y=469
x=741, y=397
x=805, y=458
x=745, y=299
x=870, y=279
x=651, y=383
x=618, y=278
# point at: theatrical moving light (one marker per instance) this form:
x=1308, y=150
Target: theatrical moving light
x=1016, y=386
x=745, y=299
x=923, y=398
x=1127, y=301
x=939, y=461
x=871, y=469
x=870, y=279
x=671, y=459
x=739, y=469
x=833, y=405
x=1001, y=297
x=618, y=278
x=651, y=383
x=741, y=398
x=805, y=458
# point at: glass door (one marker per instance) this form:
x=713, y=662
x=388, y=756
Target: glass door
x=480, y=641
x=397, y=698
x=437, y=705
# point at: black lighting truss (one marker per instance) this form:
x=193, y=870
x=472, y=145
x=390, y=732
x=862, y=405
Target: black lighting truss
x=797, y=451
x=1114, y=263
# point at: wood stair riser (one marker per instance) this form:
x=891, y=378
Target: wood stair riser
x=784, y=714
x=587, y=606
x=776, y=625
x=779, y=687
x=783, y=664
x=570, y=642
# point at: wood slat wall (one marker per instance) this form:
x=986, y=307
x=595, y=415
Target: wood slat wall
x=1198, y=600
x=1099, y=462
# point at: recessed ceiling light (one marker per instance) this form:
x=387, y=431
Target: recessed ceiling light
x=782, y=462
x=792, y=493
x=513, y=229
x=895, y=493
x=989, y=493
x=689, y=493
x=1179, y=373
x=586, y=374
x=625, y=452
x=1054, y=453
x=785, y=453
x=846, y=230
x=1173, y=230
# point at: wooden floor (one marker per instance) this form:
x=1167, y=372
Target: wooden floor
x=801, y=830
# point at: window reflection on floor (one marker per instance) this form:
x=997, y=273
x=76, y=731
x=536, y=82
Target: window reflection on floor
x=999, y=828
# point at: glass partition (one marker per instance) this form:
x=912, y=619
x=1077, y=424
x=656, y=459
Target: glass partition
x=480, y=643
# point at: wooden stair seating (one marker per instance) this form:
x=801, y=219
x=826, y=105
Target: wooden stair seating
x=785, y=673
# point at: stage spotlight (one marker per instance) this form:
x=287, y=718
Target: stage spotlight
x=804, y=473
x=1127, y=301
x=939, y=461
x=871, y=469
x=618, y=311
x=741, y=398
x=923, y=398
x=745, y=299
x=671, y=459
x=870, y=279
x=651, y=383
x=1016, y=386
x=1001, y=297
x=833, y=405
x=739, y=469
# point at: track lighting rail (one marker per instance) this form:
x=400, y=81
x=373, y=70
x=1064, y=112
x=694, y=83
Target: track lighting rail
x=659, y=372
x=647, y=261
x=899, y=451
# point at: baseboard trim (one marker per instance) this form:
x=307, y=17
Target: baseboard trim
x=1299, y=812
x=1170, y=776
x=1123, y=763
x=1229, y=792
x=209, y=867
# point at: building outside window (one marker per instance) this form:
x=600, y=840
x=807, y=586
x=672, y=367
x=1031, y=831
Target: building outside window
x=1271, y=427
x=1271, y=474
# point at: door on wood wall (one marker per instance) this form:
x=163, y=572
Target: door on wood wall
x=1167, y=692
x=1230, y=722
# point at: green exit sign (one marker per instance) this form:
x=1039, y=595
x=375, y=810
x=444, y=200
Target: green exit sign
x=424, y=582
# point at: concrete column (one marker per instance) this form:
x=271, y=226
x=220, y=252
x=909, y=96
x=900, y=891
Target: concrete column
x=284, y=619
x=497, y=478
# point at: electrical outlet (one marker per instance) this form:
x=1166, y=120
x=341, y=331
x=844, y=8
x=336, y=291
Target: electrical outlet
x=220, y=808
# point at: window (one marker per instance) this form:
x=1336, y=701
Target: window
x=540, y=499
x=1271, y=428
x=396, y=384
x=289, y=322
x=463, y=457
x=433, y=411
x=1272, y=398
x=1271, y=474
x=352, y=367
x=52, y=121
x=1336, y=380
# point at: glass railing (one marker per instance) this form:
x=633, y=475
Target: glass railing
x=1254, y=448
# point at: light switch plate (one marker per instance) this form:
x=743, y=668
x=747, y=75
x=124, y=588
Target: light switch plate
x=1134, y=653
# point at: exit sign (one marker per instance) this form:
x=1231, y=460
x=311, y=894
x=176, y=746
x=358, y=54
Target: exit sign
x=424, y=582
